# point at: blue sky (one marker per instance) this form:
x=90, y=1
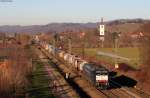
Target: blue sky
x=30, y=12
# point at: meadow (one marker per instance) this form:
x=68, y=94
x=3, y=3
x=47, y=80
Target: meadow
x=131, y=53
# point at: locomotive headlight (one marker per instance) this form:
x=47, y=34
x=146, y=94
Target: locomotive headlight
x=102, y=78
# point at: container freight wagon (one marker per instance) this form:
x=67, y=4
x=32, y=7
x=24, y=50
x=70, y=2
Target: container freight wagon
x=97, y=76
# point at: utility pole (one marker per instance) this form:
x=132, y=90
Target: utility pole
x=116, y=38
x=4, y=40
x=82, y=35
x=83, y=48
x=54, y=44
x=69, y=51
x=69, y=43
x=116, y=52
x=69, y=46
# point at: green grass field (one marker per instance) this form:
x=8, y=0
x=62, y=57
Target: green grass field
x=131, y=53
x=39, y=83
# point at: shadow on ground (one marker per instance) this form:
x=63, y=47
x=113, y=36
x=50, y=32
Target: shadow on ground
x=75, y=86
x=121, y=81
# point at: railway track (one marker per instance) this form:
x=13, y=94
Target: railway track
x=107, y=94
x=75, y=74
x=114, y=93
x=138, y=92
x=130, y=91
x=121, y=93
x=110, y=93
x=58, y=85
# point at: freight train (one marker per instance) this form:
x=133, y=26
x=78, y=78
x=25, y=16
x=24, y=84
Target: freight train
x=97, y=75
